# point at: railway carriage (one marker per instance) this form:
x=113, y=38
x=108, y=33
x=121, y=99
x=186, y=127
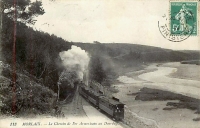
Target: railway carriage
x=112, y=107
x=93, y=98
x=89, y=95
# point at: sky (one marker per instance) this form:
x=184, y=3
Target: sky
x=110, y=21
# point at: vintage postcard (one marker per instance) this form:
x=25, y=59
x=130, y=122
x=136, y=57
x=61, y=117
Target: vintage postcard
x=99, y=64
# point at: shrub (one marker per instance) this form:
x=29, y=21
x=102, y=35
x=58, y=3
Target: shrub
x=30, y=97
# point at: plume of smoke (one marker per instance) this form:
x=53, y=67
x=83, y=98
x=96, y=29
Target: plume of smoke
x=75, y=59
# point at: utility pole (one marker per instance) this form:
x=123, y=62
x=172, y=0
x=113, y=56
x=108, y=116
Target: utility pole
x=14, y=58
x=1, y=29
x=58, y=84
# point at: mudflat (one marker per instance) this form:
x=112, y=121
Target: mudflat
x=156, y=111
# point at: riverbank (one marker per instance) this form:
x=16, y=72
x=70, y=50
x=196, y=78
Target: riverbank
x=154, y=110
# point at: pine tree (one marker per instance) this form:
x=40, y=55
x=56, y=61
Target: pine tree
x=96, y=71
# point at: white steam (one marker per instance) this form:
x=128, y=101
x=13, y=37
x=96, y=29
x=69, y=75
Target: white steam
x=76, y=60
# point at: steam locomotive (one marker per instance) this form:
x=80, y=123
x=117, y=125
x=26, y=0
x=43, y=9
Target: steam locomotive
x=110, y=106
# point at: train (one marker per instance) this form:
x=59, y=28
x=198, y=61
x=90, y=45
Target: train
x=111, y=106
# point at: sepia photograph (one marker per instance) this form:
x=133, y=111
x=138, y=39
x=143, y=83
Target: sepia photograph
x=99, y=64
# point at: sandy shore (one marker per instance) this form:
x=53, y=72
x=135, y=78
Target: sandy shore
x=162, y=78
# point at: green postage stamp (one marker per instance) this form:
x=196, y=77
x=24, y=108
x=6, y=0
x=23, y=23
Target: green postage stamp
x=184, y=17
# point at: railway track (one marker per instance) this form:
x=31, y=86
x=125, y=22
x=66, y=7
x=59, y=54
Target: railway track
x=75, y=108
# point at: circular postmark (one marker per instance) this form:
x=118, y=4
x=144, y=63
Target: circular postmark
x=180, y=24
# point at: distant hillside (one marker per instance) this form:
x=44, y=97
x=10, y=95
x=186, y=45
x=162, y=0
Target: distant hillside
x=135, y=52
x=133, y=55
x=117, y=49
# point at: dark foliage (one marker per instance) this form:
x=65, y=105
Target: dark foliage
x=36, y=52
x=96, y=71
x=100, y=70
x=25, y=9
x=68, y=85
x=37, y=60
x=29, y=97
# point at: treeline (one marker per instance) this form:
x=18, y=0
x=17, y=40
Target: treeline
x=37, y=62
x=37, y=52
x=130, y=57
x=134, y=52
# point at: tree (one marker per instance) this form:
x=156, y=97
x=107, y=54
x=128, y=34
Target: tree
x=12, y=13
x=66, y=83
x=36, y=52
x=23, y=11
x=96, y=71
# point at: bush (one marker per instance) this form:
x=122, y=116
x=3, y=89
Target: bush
x=30, y=97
